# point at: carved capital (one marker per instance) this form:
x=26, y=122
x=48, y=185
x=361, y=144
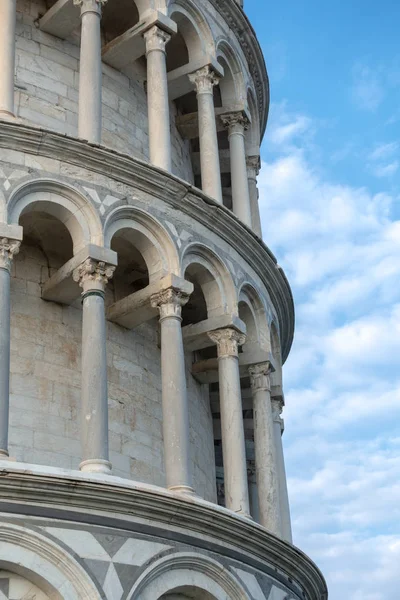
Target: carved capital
x=156, y=39
x=93, y=275
x=235, y=122
x=90, y=5
x=253, y=164
x=8, y=249
x=204, y=79
x=227, y=340
x=277, y=406
x=260, y=376
x=169, y=302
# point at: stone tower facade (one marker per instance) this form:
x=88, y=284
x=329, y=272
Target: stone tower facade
x=143, y=321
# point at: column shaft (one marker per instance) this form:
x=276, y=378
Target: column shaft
x=174, y=392
x=205, y=80
x=7, y=56
x=253, y=165
x=7, y=250
x=264, y=445
x=283, y=491
x=92, y=277
x=157, y=98
x=236, y=124
x=232, y=428
x=90, y=71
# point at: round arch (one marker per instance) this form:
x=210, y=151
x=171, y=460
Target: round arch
x=252, y=312
x=214, y=278
x=37, y=558
x=61, y=201
x=193, y=27
x=231, y=85
x=151, y=239
x=187, y=570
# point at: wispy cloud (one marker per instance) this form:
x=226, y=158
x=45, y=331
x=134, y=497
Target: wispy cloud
x=381, y=160
x=368, y=88
x=340, y=247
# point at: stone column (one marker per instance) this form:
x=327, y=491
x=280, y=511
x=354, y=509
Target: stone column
x=157, y=98
x=264, y=446
x=92, y=276
x=174, y=392
x=7, y=57
x=205, y=80
x=8, y=248
x=253, y=169
x=90, y=75
x=232, y=428
x=236, y=124
x=277, y=404
x=253, y=493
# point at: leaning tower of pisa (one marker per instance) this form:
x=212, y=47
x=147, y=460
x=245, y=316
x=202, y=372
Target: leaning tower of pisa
x=143, y=321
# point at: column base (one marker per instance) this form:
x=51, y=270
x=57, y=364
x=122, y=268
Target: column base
x=96, y=465
x=182, y=489
x=5, y=456
x=244, y=514
x=9, y=116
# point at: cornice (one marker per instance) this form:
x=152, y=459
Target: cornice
x=240, y=25
x=57, y=493
x=179, y=194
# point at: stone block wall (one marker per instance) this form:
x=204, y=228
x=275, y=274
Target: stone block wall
x=47, y=83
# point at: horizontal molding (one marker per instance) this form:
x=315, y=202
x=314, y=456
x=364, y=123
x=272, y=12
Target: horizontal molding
x=179, y=194
x=47, y=491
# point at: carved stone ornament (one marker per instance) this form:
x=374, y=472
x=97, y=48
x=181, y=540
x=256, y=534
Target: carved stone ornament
x=235, y=122
x=253, y=164
x=93, y=274
x=277, y=406
x=169, y=302
x=204, y=79
x=260, y=376
x=156, y=39
x=228, y=341
x=8, y=249
x=90, y=5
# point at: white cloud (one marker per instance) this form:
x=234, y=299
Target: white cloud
x=340, y=247
x=368, y=89
x=386, y=170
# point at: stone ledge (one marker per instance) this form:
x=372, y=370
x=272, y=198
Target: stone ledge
x=59, y=493
x=179, y=194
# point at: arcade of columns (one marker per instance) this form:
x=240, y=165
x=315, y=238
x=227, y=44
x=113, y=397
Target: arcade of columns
x=93, y=276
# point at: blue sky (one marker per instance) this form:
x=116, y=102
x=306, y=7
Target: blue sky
x=330, y=205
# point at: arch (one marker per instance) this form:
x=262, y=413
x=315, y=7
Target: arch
x=202, y=264
x=62, y=201
x=151, y=239
x=253, y=132
x=193, y=27
x=253, y=314
x=180, y=570
x=232, y=86
x=37, y=558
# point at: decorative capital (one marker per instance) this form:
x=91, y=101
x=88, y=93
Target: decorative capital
x=8, y=249
x=93, y=275
x=90, y=5
x=277, y=406
x=169, y=302
x=260, y=376
x=156, y=39
x=204, y=79
x=235, y=122
x=227, y=340
x=253, y=164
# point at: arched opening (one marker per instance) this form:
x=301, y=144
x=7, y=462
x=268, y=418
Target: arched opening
x=189, y=50
x=276, y=377
x=253, y=132
x=118, y=17
x=45, y=365
x=13, y=585
x=228, y=95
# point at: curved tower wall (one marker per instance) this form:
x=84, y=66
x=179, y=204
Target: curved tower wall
x=144, y=322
